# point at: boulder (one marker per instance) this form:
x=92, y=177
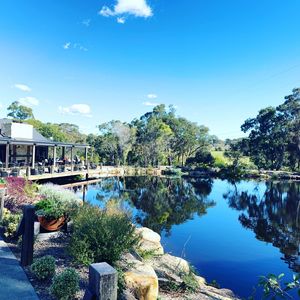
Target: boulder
x=167, y=265
x=142, y=281
x=200, y=280
x=150, y=241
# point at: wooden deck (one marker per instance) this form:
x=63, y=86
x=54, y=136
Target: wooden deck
x=91, y=173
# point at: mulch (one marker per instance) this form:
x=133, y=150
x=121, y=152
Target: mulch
x=57, y=248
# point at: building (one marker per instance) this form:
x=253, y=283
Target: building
x=23, y=148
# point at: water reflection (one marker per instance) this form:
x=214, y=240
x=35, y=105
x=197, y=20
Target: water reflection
x=164, y=202
x=160, y=203
x=274, y=216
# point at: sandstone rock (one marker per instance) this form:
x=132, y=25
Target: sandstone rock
x=219, y=294
x=141, y=280
x=150, y=241
x=171, y=264
x=201, y=280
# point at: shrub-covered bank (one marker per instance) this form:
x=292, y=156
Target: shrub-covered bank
x=60, y=267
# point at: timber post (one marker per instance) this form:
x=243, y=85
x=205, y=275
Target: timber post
x=26, y=228
x=7, y=156
x=72, y=160
x=33, y=156
x=103, y=282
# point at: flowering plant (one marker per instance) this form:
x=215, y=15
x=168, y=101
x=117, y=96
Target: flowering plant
x=19, y=192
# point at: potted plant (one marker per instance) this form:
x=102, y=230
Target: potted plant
x=2, y=183
x=56, y=206
x=51, y=214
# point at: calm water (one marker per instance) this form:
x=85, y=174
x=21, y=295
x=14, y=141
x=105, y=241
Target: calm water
x=230, y=232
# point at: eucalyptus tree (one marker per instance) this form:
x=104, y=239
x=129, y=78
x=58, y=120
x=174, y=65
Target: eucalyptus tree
x=274, y=138
x=19, y=112
x=153, y=137
x=114, y=142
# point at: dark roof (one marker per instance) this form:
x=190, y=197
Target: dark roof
x=39, y=140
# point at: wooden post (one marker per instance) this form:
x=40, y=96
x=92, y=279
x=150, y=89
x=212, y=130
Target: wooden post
x=54, y=156
x=72, y=164
x=63, y=152
x=103, y=282
x=86, y=156
x=2, y=194
x=54, y=160
x=33, y=156
x=28, y=172
x=27, y=235
x=7, y=156
x=83, y=193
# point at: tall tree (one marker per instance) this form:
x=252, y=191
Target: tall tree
x=274, y=138
x=115, y=141
x=19, y=112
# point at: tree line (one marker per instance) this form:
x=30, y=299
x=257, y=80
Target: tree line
x=161, y=137
x=273, y=142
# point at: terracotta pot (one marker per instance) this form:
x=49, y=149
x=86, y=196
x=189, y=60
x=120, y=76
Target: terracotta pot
x=2, y=185
x=52, y=225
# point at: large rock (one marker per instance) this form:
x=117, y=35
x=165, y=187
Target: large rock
x=141, y=279
x=170, y=267
x=150, y=241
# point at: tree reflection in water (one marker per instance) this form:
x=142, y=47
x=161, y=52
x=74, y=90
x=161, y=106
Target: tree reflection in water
x=161, y=202
x=274, y=216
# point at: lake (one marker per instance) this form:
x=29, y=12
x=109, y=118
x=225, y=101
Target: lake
x=231, y=232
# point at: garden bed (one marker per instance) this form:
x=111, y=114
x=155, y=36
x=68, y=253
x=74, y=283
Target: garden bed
x=56, y=248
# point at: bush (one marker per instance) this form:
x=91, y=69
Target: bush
x=10, y=223
x=65, y=285
x=20, y=191
x=203, y=158
x=101, y=236
x=43, y=268
x=50, y=209
x=56, y=202
x=51, y=191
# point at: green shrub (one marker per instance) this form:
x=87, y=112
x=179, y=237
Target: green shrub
x=65, y=285
x=56, y=202
x=220, y=160
x=43, y=268
x=10, y=223
x=190, y=282
x=101, y=236
x=50, y=209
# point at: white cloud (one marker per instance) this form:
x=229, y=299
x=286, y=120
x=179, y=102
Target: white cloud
x=152, y=96
x=148, y=103
x=76, y=109
x=29, y=101
x=86, y=22
x=22, y=87
x=121, y=20
x=67, y=45
x=137, y=8
x=78, y=46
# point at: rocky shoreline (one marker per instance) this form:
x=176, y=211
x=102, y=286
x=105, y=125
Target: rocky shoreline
x=148, y=273
x=163, y=276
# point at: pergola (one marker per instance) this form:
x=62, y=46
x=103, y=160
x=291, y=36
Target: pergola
x=9, y=147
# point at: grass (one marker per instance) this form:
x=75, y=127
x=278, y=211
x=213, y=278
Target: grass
x=147, y=254
x=222, y=160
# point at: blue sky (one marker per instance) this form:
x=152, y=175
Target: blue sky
x=89, y=62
